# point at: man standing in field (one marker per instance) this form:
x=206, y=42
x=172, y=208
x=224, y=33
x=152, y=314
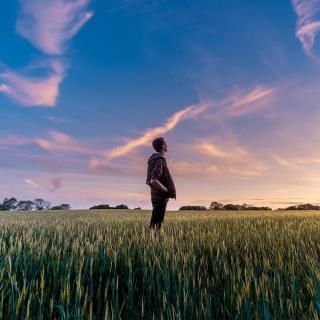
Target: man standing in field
x=160, y=181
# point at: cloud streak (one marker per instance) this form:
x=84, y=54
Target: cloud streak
x=145, y=138
x=308, y=23
x=11, y=140
x=240, y=103
x=31, y=183
x=59, y=141
x=222, y=153
x=232, y=106
x=50, y=24
x=230, y=160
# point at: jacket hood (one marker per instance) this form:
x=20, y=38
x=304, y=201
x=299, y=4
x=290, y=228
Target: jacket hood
x=155, y=156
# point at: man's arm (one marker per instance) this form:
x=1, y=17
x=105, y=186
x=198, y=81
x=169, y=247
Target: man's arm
x=155, y=175
x=157, y=184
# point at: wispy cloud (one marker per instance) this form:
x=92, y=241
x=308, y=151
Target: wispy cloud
x=59, y=141
x=298, y=164
x=57, y=119
x=105, y=167
x=252, y=96
x=4, y=89
x=308, y=24
x=31, y=183
x=34, y=90
x=50, y=24
x=219, y=152
x=12, y=140
x=241, y=103
x=230, y=160
x=231, y=106
x=56, y=183
x=149, y=134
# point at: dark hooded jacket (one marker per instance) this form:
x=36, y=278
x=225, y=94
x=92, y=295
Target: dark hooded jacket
x=158, y=170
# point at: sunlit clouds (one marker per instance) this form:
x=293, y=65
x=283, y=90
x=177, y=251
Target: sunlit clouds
x=30, y=90
x=230, y=159
x=59, y=141
x=31, y=183
x=50, y=24
x=308, y=24
x=219, y=152
x=56, y=183
x=149, y=134
x=229, y=106
x=241, y=103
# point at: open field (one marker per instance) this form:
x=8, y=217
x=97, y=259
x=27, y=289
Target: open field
x=103, y=264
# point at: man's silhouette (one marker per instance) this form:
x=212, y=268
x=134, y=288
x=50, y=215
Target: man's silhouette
x=160, y=181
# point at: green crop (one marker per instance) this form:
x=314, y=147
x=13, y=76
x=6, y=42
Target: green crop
x=105, y=264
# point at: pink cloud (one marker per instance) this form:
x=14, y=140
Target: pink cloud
x=105, y=167
x=252, y=96
x=56, y=183
x=59, y=141
x=234, y=105
x=230, y=159
x=241, y=103
x=11, y=140
x=31, y=183
x=57, y=119
x=308, y=23
x=149, y=134
x=217, y=151
x=34, y=90
x=50, y=24
x=4, y=89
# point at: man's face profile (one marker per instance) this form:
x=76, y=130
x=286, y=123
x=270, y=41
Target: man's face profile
x=165, y=147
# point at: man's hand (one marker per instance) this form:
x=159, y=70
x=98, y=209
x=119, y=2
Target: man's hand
x=157, y=184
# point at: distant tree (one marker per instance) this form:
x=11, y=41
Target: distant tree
x=46, y=205
x=121, y=206
x=101, y=206
x=306, y=206
x=9, y=204
x=257, y=208
x=231, y=206
x=63, y=206
x=138, y=208
x=40, y=204
x=193, y=208
x=216, y=206
x=25, y=205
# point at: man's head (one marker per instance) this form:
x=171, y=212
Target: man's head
x=160, y=145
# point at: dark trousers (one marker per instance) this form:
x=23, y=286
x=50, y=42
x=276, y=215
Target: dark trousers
x=159, y=206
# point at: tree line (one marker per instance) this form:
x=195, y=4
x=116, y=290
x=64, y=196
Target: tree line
x=214, y=205
x=13, y=204
x=219, y=206
x=107, y=206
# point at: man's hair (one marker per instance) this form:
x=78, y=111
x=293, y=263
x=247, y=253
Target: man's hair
x=158, y=143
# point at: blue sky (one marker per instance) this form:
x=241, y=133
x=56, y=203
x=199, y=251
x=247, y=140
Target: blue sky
x=233, y=86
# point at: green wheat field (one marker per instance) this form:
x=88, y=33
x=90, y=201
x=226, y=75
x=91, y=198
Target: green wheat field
x=104, y=264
